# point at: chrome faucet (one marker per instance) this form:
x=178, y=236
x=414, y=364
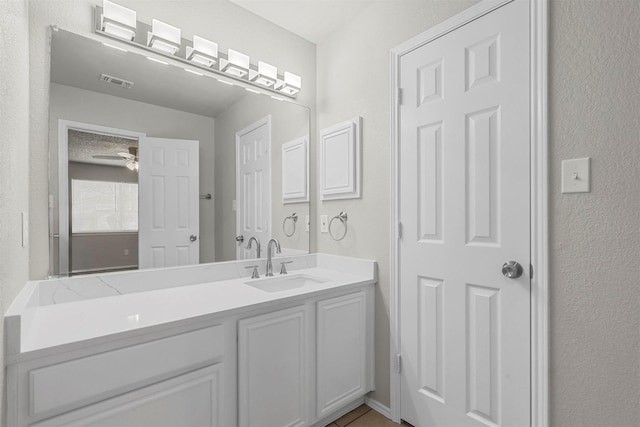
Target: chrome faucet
x=269, y=255
x=255, y=239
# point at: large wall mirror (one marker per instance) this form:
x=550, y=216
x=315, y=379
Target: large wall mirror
x=152, y=166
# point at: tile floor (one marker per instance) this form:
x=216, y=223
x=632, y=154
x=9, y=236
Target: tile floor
x=363, y=416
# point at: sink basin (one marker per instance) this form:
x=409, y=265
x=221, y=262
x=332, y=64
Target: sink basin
x=285, y=282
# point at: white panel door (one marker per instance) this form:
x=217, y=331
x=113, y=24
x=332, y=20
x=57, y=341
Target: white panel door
x=464, y=209
x=168, y=208
x=253, y=186
x=273, y=366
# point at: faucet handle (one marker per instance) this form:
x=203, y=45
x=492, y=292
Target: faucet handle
x=254, y=274
x=283, y=268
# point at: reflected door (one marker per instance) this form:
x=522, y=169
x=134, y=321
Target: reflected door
x=168, y=205
x=464, y=137
x=253, y=186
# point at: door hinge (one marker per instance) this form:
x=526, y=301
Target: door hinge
x=531, y=271
x=399, y=96
x=399, y=230
x=398, y=363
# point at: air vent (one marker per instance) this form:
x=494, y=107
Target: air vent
x=116, y=81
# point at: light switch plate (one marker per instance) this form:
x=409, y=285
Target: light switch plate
x=324, y=223
x=233, y=206
x=576, y=175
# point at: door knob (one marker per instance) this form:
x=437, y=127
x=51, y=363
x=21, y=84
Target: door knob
x=512, y=269
x=193, y=237
x=240, y=238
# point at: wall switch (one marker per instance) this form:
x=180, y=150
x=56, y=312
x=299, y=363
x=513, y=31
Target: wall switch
x=233, y=205
x=126, y=251
x=306, y=223
x=324, y=223
x=576, y=175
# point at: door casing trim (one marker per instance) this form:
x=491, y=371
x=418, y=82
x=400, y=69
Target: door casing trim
x=538, y=40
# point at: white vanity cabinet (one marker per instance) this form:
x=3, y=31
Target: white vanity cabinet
x=274, y=368
x=191, y=399
x=179, y=376
x=229, y=353
x=299, y=365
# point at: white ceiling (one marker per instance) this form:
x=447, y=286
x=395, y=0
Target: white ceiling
x=313, y=20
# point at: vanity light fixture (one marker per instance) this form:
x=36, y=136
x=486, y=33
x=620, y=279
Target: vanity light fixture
x=164, y=37
x=267, y=74
x=203, y=52
x=118, y=21
x=236, y=64
x=291, y=84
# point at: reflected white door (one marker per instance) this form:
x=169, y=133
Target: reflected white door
x=168, y=203
x=253, y=186
x=464, y=208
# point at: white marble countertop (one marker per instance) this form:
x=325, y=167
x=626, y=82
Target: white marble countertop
x=44, y=321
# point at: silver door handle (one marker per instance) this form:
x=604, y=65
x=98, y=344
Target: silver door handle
x=240, y=238
x=512, y=269
x=193, y=237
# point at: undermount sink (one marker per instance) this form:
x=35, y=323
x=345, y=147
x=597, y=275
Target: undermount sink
x=285, y=282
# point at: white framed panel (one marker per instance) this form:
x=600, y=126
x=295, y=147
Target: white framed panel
x=295, y=171
x=340, y=160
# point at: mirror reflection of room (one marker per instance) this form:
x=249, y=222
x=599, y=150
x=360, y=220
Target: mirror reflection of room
x=117, y=111
x=103, y=203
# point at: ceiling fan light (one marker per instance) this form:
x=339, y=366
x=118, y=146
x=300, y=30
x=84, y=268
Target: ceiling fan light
x=203, y=52
x=164, y=37
x=118, y=21
x=236, y=64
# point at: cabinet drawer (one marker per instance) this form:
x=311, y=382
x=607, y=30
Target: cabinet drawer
x=79, y=382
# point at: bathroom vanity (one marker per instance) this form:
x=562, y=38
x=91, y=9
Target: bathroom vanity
x=202, y=345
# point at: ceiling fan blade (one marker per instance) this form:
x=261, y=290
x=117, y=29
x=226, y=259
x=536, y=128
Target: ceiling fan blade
x=105, y=157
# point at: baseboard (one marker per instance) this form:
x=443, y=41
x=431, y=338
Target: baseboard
x=378, y=407
x=340, y=412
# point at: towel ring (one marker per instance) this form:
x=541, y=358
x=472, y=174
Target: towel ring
x=293, y=217
x=342, y=216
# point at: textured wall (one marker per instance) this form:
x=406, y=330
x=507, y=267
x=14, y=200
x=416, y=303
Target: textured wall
x=219, y=20
x=14, y=153
x=353, y=80
x=595, y=237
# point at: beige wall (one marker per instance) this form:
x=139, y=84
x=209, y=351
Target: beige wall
x=219, y=20
x=595, y=237
x=288, y=122
x=14, y=153
x=70, y=103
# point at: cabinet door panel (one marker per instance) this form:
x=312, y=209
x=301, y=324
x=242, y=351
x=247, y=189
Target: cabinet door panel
x=272, y=369
x=190, y=400
x=341, y=347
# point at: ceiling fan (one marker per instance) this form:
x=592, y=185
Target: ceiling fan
x=131, y=158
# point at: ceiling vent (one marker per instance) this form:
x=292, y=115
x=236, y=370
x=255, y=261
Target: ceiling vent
x=116, y=81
